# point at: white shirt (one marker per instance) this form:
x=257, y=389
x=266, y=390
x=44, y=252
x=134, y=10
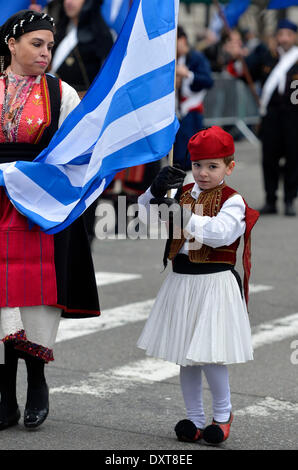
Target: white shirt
x=223, y=229
x=69, y=100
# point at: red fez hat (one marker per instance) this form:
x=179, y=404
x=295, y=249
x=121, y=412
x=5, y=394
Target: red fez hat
x=210, y=143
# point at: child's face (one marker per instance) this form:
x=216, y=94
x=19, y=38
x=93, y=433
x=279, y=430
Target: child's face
x=209, y=173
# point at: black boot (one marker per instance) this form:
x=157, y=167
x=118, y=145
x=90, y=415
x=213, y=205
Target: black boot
x=290, y=209
x=9, y=410
x=37, y=404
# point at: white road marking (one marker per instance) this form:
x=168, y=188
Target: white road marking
x=276, y=330
x=255, y=288
x=111, y=318
x=268, y=407
x=120, y=379
x=105, y=278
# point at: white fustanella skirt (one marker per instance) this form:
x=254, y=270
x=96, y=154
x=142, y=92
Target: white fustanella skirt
x=198, y=319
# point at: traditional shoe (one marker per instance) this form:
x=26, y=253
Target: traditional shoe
x=217, y=432
x=11, y=420
x=186, y=431
x=34, y=416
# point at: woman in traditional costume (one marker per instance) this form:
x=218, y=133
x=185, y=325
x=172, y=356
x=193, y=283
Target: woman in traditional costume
x=42, y=277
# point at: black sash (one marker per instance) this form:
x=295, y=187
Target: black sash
x=182, y=265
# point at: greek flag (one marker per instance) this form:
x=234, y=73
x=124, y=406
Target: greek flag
x=126, y=118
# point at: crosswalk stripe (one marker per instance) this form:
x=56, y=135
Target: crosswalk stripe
x=276, y=330
x=111, y=318
x=255, y=288
x=120, y=379
x=104, y=278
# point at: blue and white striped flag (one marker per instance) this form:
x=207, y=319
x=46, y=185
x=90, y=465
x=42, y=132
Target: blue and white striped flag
x=127, y=118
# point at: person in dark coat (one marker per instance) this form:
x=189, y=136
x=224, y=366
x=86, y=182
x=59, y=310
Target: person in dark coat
x=277, y=71
x=82, y=43
x=193, y=78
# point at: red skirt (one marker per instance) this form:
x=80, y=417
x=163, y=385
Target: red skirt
x=27, y=267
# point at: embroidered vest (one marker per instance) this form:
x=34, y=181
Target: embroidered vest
x=39, y=121
x=212, y=201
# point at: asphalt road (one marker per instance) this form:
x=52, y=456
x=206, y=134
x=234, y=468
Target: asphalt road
x=107, y=395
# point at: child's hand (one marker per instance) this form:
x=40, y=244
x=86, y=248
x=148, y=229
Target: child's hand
x=168, y=178
x=170, y=209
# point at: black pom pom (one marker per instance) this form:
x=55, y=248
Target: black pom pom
x=213, y=434
x=186, y=430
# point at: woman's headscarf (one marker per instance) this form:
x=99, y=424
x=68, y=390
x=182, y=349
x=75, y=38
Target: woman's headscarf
x=23, y=22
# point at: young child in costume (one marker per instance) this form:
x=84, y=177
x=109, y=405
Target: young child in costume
x=199, y=319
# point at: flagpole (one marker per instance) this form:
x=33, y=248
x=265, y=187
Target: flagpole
x=245, y=69
x=171, y=153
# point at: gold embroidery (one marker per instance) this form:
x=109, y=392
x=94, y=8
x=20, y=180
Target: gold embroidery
x=32, y=126
x=47, y=108
x=210, y=201
x=37, y=100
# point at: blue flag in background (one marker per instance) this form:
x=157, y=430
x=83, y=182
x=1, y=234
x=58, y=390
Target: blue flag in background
x=234, y=10
x=115, y=12
x=232, y=13
x=10, y=7
x=282, y=4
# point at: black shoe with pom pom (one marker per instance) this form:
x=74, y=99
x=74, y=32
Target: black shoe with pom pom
x=186, y=431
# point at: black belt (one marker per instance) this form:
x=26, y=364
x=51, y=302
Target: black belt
x=183, y=265
x=12, y=152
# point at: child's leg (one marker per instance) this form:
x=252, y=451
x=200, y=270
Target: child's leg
x=218, y=380
x=191, y=386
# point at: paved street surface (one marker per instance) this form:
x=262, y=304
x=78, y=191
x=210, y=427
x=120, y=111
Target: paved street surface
x=107, y=395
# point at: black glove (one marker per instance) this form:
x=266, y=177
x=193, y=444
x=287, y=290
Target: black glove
x=169, y=177
x=176, y=213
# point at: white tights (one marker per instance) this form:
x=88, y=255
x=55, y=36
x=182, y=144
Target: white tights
x=191, y=384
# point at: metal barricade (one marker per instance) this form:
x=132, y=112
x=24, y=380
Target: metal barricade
x=230, y=102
